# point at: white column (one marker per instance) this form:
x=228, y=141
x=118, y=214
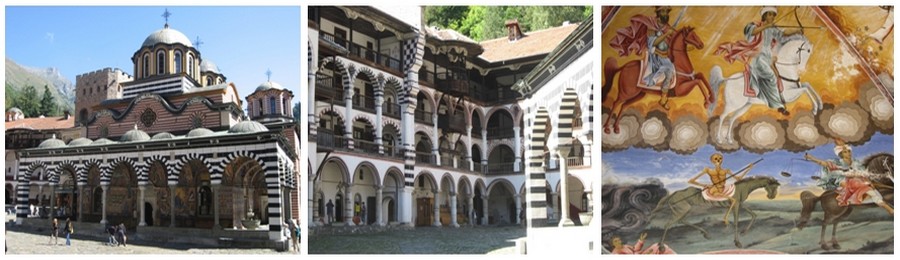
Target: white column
x=80, y=201
x=141, y=205
x=484, y=149
x=310, y=208
x=405, y=205
x=518, y=149
x=518, y=209
x=379, y=102
x=453, y=222
x=484, y=209
x=437, y=209
x=436, y=145
x=348, y=206
x=471, y=209
x=379, y=220
x=348, y=114
x=215, y=201
x=104, y=187
x=469, y=148
x=52, y=199
x=563, y=189
x=171, y=205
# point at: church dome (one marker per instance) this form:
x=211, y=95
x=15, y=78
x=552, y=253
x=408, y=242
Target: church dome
x=209, y=66
x=102, y=141
x=163, y=135
x=198, y=132
x=268, y=85
x=246, y=127
x=135, y=135
x=52, y=143
x=80, y=142
x=167, y=36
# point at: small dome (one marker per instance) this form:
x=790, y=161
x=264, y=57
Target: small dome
x=209, y=66
x=163, y=135
x=198, y=132
x=52, y=143
x=134, y=135
x=102, y=141
x=268, y=85
x=247, y=126
x=167, y=36
x=80, y=142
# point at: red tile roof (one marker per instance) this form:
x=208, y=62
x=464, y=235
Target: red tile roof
x=534, y=43
x=45, y=123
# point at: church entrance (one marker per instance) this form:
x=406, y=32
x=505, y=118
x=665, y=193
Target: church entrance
x=424, y=211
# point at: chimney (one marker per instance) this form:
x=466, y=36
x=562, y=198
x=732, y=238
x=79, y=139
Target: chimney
x=513, y=31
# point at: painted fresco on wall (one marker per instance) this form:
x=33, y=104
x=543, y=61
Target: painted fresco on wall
x=746, y=129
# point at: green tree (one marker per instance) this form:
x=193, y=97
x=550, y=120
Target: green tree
x=297, y=114
x=489, y=22
x=28, y=102
x=48, y=104
x=12, y=96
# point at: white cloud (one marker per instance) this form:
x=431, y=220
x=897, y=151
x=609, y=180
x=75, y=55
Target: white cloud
x=50, y=37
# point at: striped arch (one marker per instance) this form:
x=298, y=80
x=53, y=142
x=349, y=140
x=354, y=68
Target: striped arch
x=537, y=180
x=179, y=165
x=370, y=74
x=487, y=116
x=346, y=70
x=566, y=116
x=131, y=161
x=33, y=167
x=90, y=163
x=144, y=175
x=53, y=173
x=23, y=188
x=217, y=178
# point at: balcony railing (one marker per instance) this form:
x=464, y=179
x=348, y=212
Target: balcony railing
x=364, y=103
x=422, y=157
x=325, y=138
x=365, y=146
x=329, y=88
x=446, y=160
x=393, y=151
x=501, y=168
x=363, y=53
x=391, y=109
x=453, y=123
x=500, y=132
x=502, y=93
x=424, y=117
x=476, y=132
x=575, y=161
x=462, y=164
x=478, y=167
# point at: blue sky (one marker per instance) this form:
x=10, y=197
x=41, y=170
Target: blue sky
x=244, y=41
x=674, y=170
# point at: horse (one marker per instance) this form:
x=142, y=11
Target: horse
x=792, y=58
x=629, y=76
x=682, y=201
x=834, y=213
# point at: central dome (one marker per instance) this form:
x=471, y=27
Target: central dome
x=167, y=36
x=268, y=85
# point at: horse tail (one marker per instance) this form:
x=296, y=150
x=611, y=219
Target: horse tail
x=610, y=68
x=809, y=200
x=715, y=79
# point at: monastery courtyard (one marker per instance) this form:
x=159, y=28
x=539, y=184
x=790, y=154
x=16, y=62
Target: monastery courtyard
x=21, y=240
x=422, y=240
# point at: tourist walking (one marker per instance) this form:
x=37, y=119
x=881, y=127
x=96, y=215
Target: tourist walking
x=330, y=211
x=111, y=230
x=295, y=234
x=54, y=232
x=365, y=216
x=120, y=234
x=69, y=230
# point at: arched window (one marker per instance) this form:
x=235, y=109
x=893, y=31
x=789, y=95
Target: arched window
x=260, y=111
x=160, y=62
x=286, y=108
x=272, y=106
x=205, y=205
x=190, y=65
x=146, y=71
x=209, y=81
x=178, y=62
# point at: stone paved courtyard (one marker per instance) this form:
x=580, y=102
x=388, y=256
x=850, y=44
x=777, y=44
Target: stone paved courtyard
x=21, y=240
x=422, y=240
